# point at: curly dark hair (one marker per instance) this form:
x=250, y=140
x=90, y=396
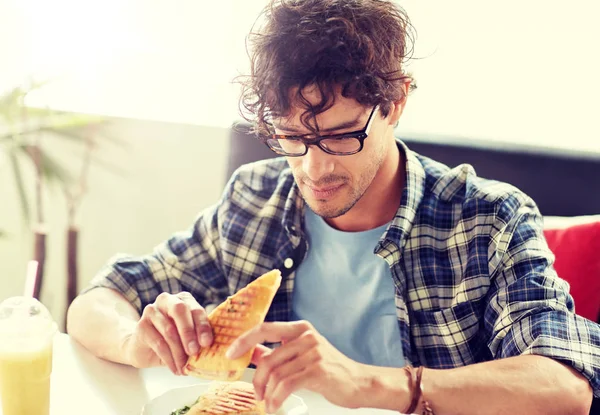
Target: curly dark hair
x=360, y=46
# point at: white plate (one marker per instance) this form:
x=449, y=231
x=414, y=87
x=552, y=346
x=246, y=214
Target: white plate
x=179, y=397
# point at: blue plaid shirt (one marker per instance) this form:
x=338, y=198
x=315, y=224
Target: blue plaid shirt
x=473, y=273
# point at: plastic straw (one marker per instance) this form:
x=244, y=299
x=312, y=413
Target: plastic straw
x=32, y=267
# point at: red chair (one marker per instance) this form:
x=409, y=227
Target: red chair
x=576, y=246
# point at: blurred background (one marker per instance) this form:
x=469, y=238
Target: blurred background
x=131, y=133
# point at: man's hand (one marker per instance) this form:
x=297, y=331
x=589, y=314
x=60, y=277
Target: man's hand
x=171, y=329
x=304, y=360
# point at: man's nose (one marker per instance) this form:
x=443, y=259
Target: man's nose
x=316, y=163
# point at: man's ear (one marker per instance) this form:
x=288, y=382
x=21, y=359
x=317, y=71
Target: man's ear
x=398, y=106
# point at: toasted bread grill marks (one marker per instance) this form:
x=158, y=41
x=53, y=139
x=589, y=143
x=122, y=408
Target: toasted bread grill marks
x=228, y=398
x=234, y=401
x=239, y=313
x=231, y=324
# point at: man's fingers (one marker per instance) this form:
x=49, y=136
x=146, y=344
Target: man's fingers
x=189, y=318
x=280, y=363
x=284, y=388
x=182, y=309
x=182, y=317
x=158, y=344
x=259, y=352
x=267, y=332
x=204, y=332
x=170, y=334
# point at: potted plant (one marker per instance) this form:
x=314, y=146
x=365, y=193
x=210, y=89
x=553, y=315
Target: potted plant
x=23, y=130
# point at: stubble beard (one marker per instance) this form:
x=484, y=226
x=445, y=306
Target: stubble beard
x=356, y=192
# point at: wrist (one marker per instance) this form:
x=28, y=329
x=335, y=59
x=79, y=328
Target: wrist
x=425, y=388
x=419, y=404
x=124, y=347
x=385, y=388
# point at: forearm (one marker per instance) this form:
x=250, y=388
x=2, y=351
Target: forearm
x=518, y=385
x=101, y=320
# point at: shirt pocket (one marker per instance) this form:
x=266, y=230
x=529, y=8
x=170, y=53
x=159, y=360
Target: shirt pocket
x=450, y=337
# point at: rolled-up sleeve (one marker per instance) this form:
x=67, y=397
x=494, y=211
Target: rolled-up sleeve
x=529, y=309
x=187, y=261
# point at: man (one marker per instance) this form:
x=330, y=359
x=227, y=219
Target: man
x=390, y=260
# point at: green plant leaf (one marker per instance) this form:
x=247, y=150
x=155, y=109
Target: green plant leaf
x=16, y=168
x=52, y=170
x=27, y=135
x=68, y=121
x=70, y=125
x=21, y=128
x=77, y=134
x=12, y=102
x=37, y=112
x=74, y=135
x=11, y=98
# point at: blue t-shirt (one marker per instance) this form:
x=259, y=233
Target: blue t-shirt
x=347, y=292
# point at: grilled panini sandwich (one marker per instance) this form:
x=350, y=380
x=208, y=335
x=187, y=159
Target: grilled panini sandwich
x=239, y=313
x=235, y=398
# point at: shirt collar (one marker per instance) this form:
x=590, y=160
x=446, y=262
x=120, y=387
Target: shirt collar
x=412, y=194
x=293, y=212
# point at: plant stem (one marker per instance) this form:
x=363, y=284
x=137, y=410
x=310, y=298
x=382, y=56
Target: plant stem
x=39, y=175
x=72, y=274
x=73, y=198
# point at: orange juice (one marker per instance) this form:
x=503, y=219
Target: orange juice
x=26, y=336
x=25, y=381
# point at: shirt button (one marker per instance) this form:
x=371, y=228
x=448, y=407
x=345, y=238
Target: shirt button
x=288, y=263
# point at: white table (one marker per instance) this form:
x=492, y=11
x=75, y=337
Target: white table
x=106, y=388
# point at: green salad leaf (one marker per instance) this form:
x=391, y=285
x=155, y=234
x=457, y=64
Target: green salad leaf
x=181, y=411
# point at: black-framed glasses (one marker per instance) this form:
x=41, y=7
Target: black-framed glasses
x=343, y=144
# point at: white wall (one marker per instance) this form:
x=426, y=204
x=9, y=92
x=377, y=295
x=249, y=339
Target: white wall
x=170, y=173
x=515, y=71
x=521, y=71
